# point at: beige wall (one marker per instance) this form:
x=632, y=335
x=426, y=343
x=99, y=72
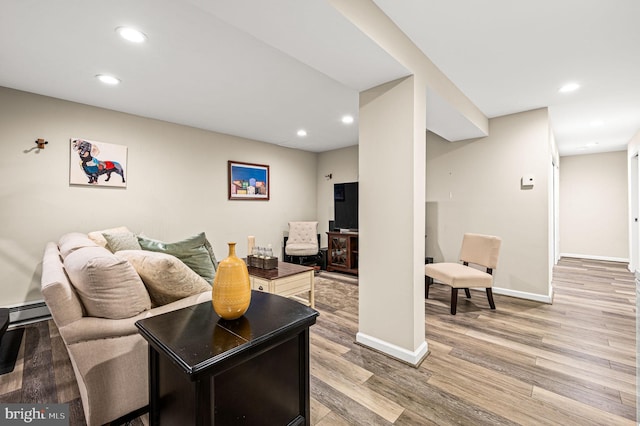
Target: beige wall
x=594, y=206
x=474, y=186
x=342, y=164
x=177, y=185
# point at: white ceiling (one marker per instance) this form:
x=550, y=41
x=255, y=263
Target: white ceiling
x=264, y=69
x=509, y=56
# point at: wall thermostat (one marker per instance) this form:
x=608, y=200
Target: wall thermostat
x=527, y=180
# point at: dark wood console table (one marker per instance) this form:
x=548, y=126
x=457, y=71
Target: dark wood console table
x=342, y=253
x=204, y=370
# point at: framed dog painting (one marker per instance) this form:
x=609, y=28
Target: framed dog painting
x=97, y=163
x=248, y=181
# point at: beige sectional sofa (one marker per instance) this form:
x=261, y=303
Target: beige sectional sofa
x=95, y=297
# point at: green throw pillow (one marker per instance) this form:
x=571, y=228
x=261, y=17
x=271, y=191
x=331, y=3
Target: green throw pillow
x=195, y=252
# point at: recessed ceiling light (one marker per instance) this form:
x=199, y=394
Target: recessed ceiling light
x=569, y=87
x=108, y=79
x=131, y=34
x=302, y=133
x=347, y=119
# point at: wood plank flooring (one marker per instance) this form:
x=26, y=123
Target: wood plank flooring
x=526, y=363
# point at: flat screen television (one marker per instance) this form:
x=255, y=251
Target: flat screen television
x=345, y=205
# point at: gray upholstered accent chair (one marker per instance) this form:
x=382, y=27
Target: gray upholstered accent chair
x=477, y=249
x=302, y=245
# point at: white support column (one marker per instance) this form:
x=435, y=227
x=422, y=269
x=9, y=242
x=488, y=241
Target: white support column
x=391, y=224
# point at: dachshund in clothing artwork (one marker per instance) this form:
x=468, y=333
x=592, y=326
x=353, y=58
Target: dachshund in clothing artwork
x=91, y=165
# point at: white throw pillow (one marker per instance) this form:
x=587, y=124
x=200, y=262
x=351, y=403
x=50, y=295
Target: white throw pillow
x=108, y=286
x=73, y=241
x=99, y=239
x=167, y=278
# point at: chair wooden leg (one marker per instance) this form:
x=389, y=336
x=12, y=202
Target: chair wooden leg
x=490, y=298
x=467, y=293
x=454, y=300
x=427, y=283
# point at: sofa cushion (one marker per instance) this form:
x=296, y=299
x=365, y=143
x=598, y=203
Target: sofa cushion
x=108, y=286
x=458, y=275
x=194, y=251
x=73, y=241
x=99, y=239
x=117, y=241
x=167, y=278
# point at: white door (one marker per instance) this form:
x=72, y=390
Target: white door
x=634, y=210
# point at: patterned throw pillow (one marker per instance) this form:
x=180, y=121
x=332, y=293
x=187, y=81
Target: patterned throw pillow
x=167, y=279
x=117, y=241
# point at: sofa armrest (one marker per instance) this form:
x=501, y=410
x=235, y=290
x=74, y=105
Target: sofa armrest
x=92, y=328
x=57, y=291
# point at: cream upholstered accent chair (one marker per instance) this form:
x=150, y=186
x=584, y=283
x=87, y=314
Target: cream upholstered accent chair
x=477, y=249
x=302, y=244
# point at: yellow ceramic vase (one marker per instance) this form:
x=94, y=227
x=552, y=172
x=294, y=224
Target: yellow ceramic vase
x=231, y=293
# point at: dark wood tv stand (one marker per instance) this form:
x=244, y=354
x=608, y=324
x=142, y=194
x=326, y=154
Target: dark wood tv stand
x=342, y=252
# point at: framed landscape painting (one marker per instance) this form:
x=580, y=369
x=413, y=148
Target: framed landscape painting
x=248, y=181
x=97, y=163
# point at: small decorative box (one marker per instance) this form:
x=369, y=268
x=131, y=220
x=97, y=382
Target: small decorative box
x=255, y=261
x=270, y=263
x=262, y=262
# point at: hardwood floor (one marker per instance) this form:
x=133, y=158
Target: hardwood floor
x=570, y=363
x=526, y=363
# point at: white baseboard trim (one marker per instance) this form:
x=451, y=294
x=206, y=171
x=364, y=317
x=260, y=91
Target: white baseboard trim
x=520, y=294
x=592, y=257
x=414, y=358
x=524, y=295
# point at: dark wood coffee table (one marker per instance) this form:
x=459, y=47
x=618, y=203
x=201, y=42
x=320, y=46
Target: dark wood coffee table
x=204, y=370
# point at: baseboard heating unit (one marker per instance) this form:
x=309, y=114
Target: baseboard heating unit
x=27, y=313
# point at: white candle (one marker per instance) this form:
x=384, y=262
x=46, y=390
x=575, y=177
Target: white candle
x=251, y=243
